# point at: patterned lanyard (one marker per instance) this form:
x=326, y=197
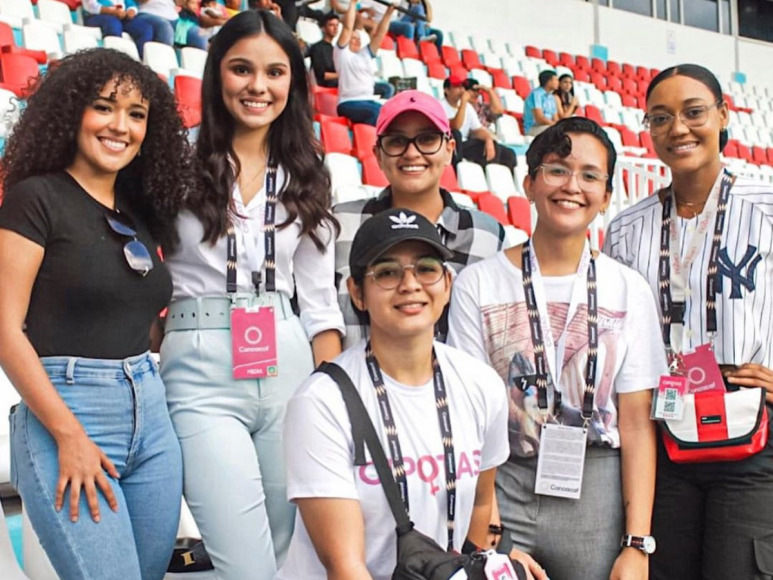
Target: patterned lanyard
x=269, y=229
x=673, y=312
x=535, y=325
x=444, y=419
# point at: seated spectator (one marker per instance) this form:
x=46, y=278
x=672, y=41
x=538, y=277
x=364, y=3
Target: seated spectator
x=474, y=141
x=321, y=53
x=114, y=17
x=187, y=29
x=265, y=5
x=565, y=99
x=488, y=111
x=356, y=83
x=416, y=28
x=541, y=109
x=162, y=18
x=212, y=16
x=232, y=7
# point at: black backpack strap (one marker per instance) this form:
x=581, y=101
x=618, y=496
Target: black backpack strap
x=364, y=433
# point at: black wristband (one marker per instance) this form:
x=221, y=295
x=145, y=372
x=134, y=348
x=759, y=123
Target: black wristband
x=505, y=545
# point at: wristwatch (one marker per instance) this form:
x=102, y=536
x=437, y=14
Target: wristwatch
x=644, y=543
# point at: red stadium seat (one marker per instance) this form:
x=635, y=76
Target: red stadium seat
x=429, y=52
x=630, y=139
x=628, y=70
x=532, y=51
x=729, y=100
x=643, y=73
x=8, y=45
x=654, y=72
x=448, y=180
x=519, y=213
x=406, y=48
x=614, y=84
x=6, y=35
x=522, y=86
x=335, y=138
x=18, y=71
x=471, y=59
x=759, y=156
x=731, y=149
x=744, y=152
x=318, y=89
x=770, y=155
x=599, y=80
x=630, y=101
x=646, y=141
x=580, y=74
x=550, y=56
x=436, y=70
x=364, y=140
x=592, y=113
x=566, y=59
x=326, y=104
x=388, y=43
x=630, y=87
x=598, y=65
x=492, y=205
x=500, y=79
x=614, y=68
x=458, y=71
x=372, y=174
x=583, y=62
x=187, y=91
x=330, y=119
x=451, y=56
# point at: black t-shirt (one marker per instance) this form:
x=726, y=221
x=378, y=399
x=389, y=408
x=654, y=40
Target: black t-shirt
x=86, y=300
x=321, y=55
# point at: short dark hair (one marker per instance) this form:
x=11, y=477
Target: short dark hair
x=327, y=18
x=556, y=139
x=700, y=74
x=545, y=76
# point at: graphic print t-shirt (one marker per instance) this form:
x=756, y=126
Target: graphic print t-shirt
x=320, y=454
x=489, y=320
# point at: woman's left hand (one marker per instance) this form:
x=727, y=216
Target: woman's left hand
x=631, y=564
x=752, y=375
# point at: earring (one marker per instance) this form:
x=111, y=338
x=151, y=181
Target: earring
x=531, y=201
x=603, y=210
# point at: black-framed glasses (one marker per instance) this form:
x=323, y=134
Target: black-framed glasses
x=388, y=275
x=136, y=253
x=426, y=143
x=558, y=175
x=694, y=116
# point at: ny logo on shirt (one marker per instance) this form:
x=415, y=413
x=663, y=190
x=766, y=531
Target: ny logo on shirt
x=734, y=272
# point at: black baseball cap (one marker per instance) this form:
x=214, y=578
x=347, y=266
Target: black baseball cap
x=387, y=229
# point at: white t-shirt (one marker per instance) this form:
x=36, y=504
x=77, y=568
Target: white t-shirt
x=163, y=8
x=489, y=320
x=198, y=269
x=471, y=120
x=356, y=78
x=320, y=454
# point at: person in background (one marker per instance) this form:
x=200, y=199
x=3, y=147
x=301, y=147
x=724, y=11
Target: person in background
x=417, y=29
x=488, y=112
x=212, y=16
x=256, y=230
x=418, y=393
x=474, y=141
x=711, y=520
x=574, y=336
x=94, y=175
x=541, y=109
x=114, y=17
x=321, y=53
x=188, y=26
x=353, y=61
x=566, y=102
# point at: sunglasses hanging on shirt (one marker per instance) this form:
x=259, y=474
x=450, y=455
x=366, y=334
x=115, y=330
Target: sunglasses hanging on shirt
x=136, y=253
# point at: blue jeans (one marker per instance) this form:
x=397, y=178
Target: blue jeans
x=384, y=90
x=163, y=30
x=121, y=405
x=360, y=111
x=109, y=25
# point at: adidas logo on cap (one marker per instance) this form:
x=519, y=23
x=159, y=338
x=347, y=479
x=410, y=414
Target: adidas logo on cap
x=404, y=222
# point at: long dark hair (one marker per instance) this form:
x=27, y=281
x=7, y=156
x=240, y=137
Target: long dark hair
x=565, y=96
x=291, y=140
x=45, y=140
x=700, y=74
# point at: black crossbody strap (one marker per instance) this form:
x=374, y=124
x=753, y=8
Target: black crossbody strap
x=364, y=433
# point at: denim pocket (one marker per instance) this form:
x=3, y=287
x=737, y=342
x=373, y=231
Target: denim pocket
x=763, y=555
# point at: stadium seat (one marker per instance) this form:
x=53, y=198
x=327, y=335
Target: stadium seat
x=326, y=103
x=429, y=52
x=598, y=66
x=500, y=181
x=614, y=84
x=630, y=86
x=471, y=60
x=614, y=68
x=40, y=36
x=471, y=178
x=460, y=40
x=493, y=206
x=566, y=59
x=581, y=75
x=15, y=12
x=500, y=79
x=599, y=80
x=769, y=152
x=462, y=199
x=6, y=35
x=451, y=57
x=193, y=60
x=744, y=152
x=629, y=71
x=436, y=70
x=364, y=140
x=521, y=86
x=413, y=68
x=309, y=31
x=335, y=138
x=593, y=113
x=372, y=174
x=519, y=213
x=532, y=51
x=583, y=62
x=387, y=43
x=187, y=90
x=448, y=180
x=54, y=13
x=122, y=45
x=550, y=57
x=161, y=58
x=75, y=41
x=344, y=177
x=17, y=71
x=406, y=48
x=759, y=156
x=509, y=130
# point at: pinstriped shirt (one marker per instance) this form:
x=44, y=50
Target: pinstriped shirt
x=470, y=234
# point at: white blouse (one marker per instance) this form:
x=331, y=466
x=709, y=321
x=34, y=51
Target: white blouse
x=199, y=269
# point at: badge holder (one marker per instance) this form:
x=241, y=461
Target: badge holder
x=253, y=340
x=561, y=461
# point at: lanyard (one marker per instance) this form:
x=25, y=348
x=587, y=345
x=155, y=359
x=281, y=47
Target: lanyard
x=548, y=358
x=673, y=271
x=269, y=232
x=444, y=419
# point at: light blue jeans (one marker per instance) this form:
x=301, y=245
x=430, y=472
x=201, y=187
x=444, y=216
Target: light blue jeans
x=122, y=407
x=231, y=433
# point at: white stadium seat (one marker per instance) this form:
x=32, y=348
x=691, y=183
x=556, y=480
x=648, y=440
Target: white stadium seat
x=54, y=13
x=500, y=181
x=193, y=60
x=122, y=45
x=471, y=177
x=40, y=36
x=15, y=12
x=75, y=41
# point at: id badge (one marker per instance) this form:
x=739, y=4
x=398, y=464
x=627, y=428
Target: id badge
x=669, y=398
x=702, y=370
x=499, y=567
x=561, y=461
x=253, y=342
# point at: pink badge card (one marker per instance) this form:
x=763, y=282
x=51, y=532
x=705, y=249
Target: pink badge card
x=702, y=371
x=253, y=340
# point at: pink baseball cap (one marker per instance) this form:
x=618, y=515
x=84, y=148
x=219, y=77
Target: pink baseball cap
x=412, y=101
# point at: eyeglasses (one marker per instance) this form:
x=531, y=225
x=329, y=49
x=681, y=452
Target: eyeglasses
x=695, y=116
x=136, y=253
x=397, y=145
x=389, y=275
x=558, y=175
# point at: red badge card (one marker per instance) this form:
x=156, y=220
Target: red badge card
x=253, y=340
x=702, y=371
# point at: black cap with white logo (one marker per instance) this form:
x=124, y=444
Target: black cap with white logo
x=388, y=229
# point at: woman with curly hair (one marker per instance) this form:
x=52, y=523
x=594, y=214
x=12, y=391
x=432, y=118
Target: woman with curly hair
x=94, y=173
x=257, y=230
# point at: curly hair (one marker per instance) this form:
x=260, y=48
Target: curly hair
x=291, y=140
x=45, y=138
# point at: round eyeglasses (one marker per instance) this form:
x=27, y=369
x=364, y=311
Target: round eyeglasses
x=695, y=116
x=136, y=253
x=425, y=143
x=558, y=175
x=389, y=274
